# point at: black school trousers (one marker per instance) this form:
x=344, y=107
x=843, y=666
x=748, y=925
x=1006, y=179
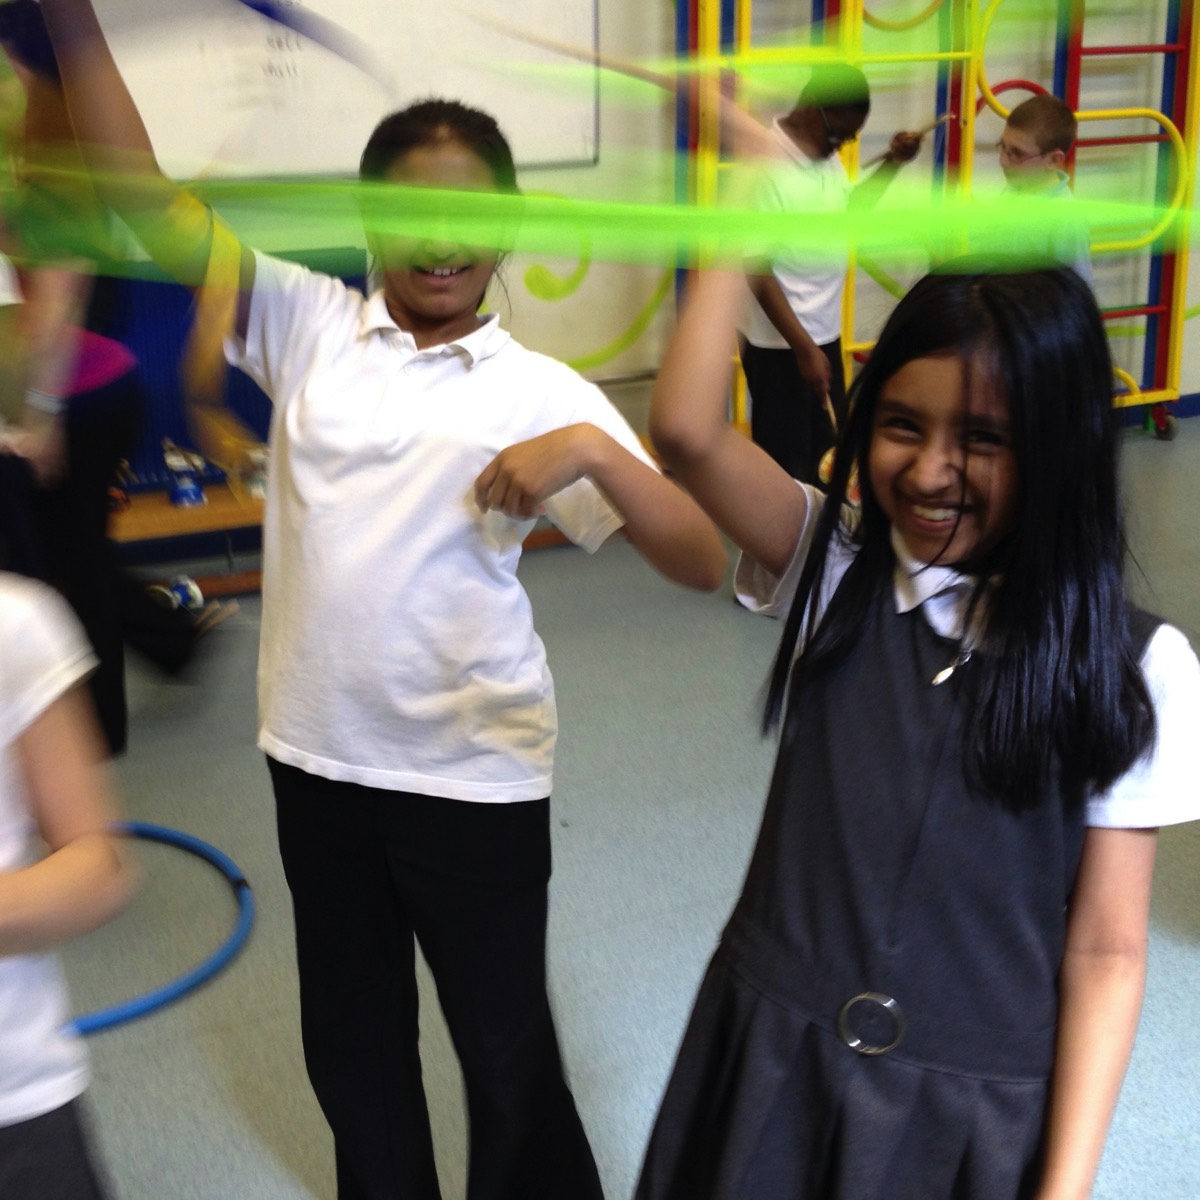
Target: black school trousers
x=49, y=1158
x=371, y=870
x=787, y=414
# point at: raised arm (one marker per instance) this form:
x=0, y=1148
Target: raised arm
x=43, y=343
x=749, y=496
x=178, y=232
x=116, y=146
x=814, y=366
x=902, y=149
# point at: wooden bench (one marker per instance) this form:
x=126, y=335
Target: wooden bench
x=152, y=517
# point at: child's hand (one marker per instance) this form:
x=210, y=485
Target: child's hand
x=904, y=147
x=518, y=480
x=814, y=367
x=43, y=446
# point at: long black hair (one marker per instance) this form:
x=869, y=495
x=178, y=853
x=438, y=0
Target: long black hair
x=1062, y=690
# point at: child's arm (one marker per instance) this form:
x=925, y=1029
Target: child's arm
x=48, y=325
x=903, y=148
x=116, y=146
x=178, y=232
x=750, y=497
x=1100, y=985
x=661, y=521
x=814, y=366
x=87, y=878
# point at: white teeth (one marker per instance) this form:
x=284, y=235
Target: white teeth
x=935, y=514
x=442, y=272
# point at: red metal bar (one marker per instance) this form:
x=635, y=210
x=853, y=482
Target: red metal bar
x=954, y=91
x=1144, y=310
x=1025, y=85
x=1074, y=51
x=1073, y=68
x=1096, y=51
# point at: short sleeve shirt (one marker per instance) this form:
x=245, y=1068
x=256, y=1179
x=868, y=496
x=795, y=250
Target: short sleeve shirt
x=795, y=183
x=43, y=653
x=1160, y=789
x=398, y=648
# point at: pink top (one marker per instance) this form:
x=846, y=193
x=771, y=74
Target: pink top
x=98, y=361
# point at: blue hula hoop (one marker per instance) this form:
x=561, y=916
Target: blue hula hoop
x=141, y=1006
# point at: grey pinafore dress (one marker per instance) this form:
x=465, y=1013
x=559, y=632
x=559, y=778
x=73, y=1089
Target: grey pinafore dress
x=879, y=1018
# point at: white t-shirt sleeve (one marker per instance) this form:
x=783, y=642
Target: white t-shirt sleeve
x=771, y=595
x=581, y=510
x=1164, y=787
x=43, y=653
x=294, y=314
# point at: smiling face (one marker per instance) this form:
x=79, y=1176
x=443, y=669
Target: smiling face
x=434, y=285
x=942, y=466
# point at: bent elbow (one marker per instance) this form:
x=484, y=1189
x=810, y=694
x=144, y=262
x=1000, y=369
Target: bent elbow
x=707, y=568
x=121, y=882
x=675, y=439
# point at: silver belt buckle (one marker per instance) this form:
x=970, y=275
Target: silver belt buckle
x=880, y=1004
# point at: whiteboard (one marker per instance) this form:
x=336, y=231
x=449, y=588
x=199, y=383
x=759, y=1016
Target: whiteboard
x=224, y=91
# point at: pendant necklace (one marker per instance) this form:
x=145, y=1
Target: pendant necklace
x=960, y=658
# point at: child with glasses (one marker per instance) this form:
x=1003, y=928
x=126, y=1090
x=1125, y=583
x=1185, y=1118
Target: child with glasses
x=1037, y=140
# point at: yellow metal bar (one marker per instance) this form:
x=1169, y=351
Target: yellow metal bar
x=891, y=26
x=850, y=43
x=850, y=47
x=980, y=45
x=788, y=56
x=1183, y=241
x=1183, y=173
x=1135, y=392
x=1155, y=396
x=708, y=143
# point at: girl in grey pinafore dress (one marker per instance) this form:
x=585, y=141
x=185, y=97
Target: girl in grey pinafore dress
x=880, y=1017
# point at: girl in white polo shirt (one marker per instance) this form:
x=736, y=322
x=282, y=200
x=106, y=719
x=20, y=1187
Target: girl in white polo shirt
x=61, y=874
x=405, y=704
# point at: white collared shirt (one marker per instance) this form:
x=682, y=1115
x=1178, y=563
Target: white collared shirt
x=398, y=648
x=1160, y=789
x=43, y=653
x=801, y=185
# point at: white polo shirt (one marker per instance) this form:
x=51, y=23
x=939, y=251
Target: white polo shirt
x=1160, y=789
x=801, y=185
x=398, y=648
x=43, y=653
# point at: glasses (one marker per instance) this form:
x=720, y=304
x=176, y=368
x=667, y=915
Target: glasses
x=836, y=139
x=1017, y=157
